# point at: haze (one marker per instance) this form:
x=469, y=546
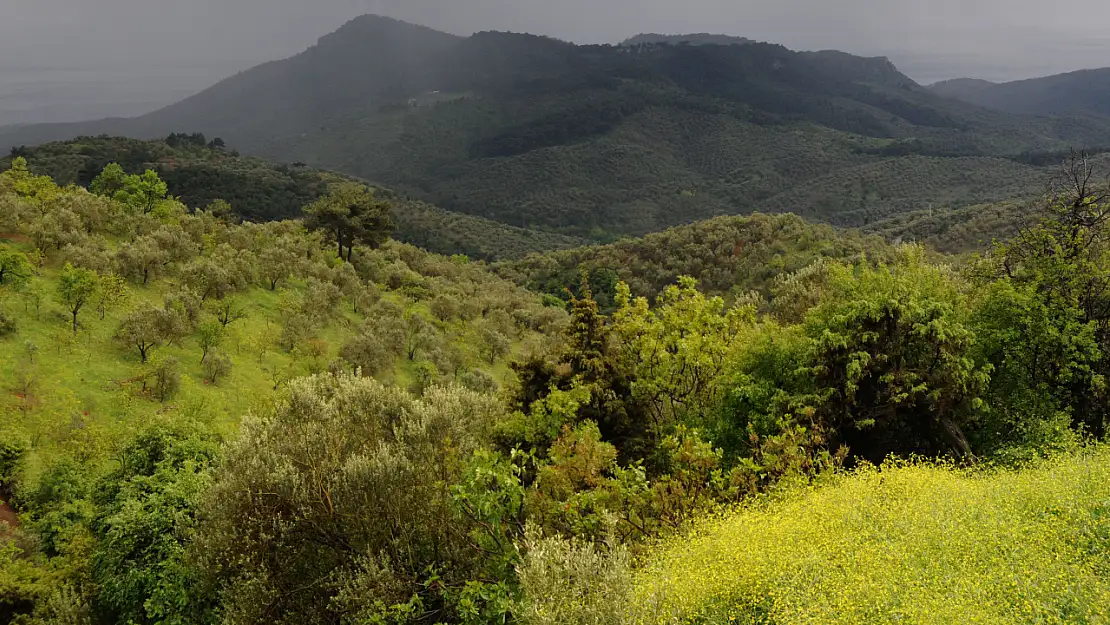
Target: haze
x=75, y=59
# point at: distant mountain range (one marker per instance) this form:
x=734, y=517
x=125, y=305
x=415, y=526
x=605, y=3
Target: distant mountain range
x=695, y=39
x=607, y=141
x=1085, y=92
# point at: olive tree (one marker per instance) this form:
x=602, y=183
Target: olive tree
x=339, y=504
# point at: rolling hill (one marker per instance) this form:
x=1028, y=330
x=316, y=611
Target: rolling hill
x=1085, y=92
x=606, y=141
x=259, y=190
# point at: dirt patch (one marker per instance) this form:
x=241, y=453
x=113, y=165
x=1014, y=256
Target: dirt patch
x=7, y=515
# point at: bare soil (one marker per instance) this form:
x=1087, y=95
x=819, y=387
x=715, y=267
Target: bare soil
x=7, y=515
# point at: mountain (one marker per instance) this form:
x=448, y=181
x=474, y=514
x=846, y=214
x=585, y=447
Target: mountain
x=199, y=173
x=607, y=141
x=1085, y=92
x=696, y=39
x=961, y=88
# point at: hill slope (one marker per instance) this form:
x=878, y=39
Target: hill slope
x=594, y=141
x=259, y=190
x=1085, y=92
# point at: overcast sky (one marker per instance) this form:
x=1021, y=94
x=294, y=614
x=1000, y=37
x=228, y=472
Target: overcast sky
x=1010, y=37
x=188, y=44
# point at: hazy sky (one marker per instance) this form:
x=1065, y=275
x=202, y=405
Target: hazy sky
x=204, y=40
x=1017, y=36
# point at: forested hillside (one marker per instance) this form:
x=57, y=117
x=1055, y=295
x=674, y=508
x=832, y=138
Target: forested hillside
x=1085, y=92
x=603, y=141
x=307, y=422
x=206, y=174
x=729, y=256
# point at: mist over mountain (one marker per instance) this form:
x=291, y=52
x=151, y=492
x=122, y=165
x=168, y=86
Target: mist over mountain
x=603, y=140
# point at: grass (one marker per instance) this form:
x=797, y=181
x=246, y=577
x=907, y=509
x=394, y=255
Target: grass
x=910, y=543
x=77, y=401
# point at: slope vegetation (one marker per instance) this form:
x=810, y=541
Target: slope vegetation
x=603, y=141
x=727, y=255
x=199, y=174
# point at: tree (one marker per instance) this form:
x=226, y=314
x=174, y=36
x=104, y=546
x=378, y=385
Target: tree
x=217, y=365
x=142, y=193
x=227, y=311
x=110, y=181
x=419, y=334
x=148, y=328
x=76, y=288
x=223, y=272
x=165, y=379
x=367, y=354
x=277, y=261
x=1058, y=274
x=884, y=366
x=113, y=292
x=209, y=336
x=353, y=216
x=146, y=515
x=142, y=259
x=15, y=270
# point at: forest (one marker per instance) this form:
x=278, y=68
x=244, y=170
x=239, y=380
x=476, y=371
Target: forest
x=209, y=419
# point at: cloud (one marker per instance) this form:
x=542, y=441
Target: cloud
x=1009, y=36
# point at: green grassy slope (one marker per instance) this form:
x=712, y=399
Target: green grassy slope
x=66, y=391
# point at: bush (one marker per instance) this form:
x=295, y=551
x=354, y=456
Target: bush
x=217, y=365
x=11, y=457
x=7, y=325
x=349, y=483
x=165, y=380
x=572, y=582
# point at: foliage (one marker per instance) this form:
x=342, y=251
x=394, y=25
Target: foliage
x=333, y=448
x=353, y=215
x=146, y=515
x=574, y=582
x=920, y=543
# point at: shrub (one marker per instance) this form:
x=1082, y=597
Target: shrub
x=572, y=582
x=217, y=365
x=349, y=483
x=8, y=325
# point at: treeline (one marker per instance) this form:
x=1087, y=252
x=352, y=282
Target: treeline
x=343, y=498
x=200, y=173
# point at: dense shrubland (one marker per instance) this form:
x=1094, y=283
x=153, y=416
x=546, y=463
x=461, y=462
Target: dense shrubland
x=304, y=422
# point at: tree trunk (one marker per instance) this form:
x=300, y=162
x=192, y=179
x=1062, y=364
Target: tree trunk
x=75, y=311
x=956, y=440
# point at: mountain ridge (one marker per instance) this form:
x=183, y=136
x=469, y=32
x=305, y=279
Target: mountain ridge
x=1081, y=92
x=601, y=141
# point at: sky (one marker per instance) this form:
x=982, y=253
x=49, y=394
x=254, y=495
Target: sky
x=153, y=50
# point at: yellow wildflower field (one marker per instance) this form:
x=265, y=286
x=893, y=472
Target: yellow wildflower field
x=905, y=543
